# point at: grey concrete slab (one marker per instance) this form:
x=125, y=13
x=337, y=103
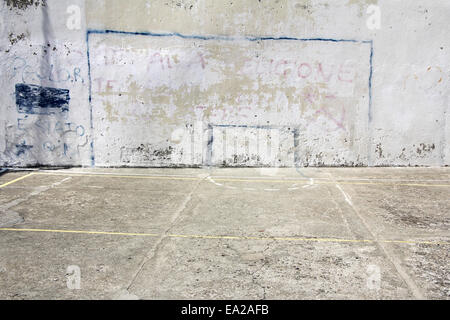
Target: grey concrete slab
x=429, y=265
x=393, y=173
x=124, y=207
x=8, y=176
x=226, y=269
x=34, y=265
x=227, y=233
x=403, y=211
x=309, y=212
x=104, y=210
x=13, y=192
x=8, y=195
x=129, y=182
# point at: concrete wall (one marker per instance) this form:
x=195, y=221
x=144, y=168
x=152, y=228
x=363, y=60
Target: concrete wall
x=236, y=83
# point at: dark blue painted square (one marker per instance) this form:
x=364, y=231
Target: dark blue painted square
x=33, y=99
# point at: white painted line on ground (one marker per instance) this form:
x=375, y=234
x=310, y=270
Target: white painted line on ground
x=346, y=196
x=243, y=177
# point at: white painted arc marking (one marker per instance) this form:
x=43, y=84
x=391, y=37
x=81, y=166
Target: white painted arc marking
x=292, y=188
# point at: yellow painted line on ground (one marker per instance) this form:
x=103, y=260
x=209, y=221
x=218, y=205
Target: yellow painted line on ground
x=337, y=181
x=16, y=180
x=117, y=176
x=292, y=239
x=303, y=182
x=83, y=232
x=307, y=182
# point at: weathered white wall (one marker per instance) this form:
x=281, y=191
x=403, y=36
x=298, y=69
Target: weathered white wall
x=37, y=48
x=247, y=83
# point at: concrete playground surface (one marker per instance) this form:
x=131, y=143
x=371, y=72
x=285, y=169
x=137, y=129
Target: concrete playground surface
x=313, y=233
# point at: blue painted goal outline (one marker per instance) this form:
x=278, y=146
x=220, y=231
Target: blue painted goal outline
x=213, y=37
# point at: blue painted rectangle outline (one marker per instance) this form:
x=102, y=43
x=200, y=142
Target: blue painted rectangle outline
x=215, y=37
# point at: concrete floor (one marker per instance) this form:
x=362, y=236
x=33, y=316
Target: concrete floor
x=379, y=233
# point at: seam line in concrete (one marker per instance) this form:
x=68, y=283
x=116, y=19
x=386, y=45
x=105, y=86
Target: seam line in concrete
x=391, y=257
x=165, y=235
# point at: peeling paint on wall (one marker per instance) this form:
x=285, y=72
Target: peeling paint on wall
x=14, y=39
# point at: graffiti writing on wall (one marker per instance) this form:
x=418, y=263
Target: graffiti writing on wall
x=49, y=137
x=37, y=71
x=42, y=82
